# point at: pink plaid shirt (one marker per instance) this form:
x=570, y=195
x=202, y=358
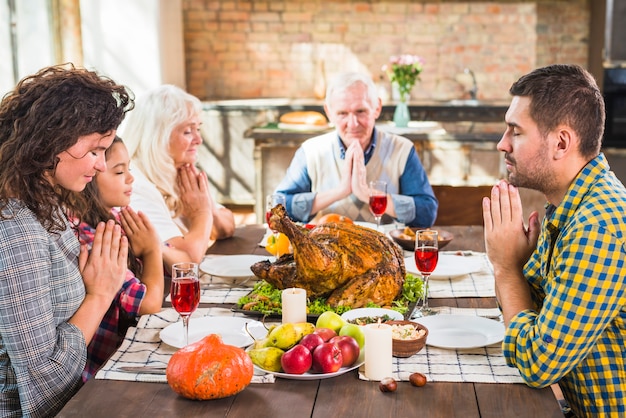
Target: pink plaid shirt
x=124, y=308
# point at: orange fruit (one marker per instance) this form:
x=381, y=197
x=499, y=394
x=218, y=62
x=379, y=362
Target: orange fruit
x=333, y=217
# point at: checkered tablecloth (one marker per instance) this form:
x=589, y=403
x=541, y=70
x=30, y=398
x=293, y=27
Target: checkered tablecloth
x=142, y=346
x=478, y=365
x=477, y=284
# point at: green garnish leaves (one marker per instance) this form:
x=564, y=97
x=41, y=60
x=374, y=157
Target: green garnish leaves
x=265, y=298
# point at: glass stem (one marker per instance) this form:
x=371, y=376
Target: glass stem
x=186, y=327
x=425, y=302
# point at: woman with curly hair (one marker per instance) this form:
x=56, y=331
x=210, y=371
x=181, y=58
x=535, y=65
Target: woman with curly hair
x=54, y=129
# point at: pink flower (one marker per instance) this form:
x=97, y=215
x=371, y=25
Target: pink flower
x=404, y=70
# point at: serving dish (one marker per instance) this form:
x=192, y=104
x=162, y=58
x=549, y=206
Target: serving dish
x=278, y=316
x=317, y=376
x=406, y=348
x=374, y=313
x=408, y=243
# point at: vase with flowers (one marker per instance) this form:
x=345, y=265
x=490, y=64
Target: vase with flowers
x=403, y=71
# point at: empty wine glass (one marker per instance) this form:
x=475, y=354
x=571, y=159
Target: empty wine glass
x=378, y=200
x=185, y=292
x=271, y=200
x=426, y=257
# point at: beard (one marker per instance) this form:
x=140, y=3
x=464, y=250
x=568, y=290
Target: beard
x=537, y=175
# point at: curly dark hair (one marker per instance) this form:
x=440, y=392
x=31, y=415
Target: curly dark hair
x=43, y=116
x=564, y=93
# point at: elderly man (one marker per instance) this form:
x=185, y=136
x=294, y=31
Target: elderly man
x=331, y=172
x=561, y=284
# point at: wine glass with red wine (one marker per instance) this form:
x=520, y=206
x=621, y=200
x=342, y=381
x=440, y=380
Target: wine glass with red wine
x=426, y=257
x=185, y=292
x=378, y=200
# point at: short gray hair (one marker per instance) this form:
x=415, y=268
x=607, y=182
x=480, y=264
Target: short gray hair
x=345, y=80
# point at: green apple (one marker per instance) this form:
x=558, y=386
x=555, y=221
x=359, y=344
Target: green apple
x=330, y=319
x=355, y=331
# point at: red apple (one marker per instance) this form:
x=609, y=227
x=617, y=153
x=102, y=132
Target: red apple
x=327, y=358
x=296, y=360
x=349, y=347
x=325, y=333
x=311, y=341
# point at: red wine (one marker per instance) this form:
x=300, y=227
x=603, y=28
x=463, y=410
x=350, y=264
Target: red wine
x=267, y=216
x=426, y=259
x=185, y=294
x=378, y=204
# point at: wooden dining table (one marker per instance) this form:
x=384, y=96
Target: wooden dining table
x=342, y=396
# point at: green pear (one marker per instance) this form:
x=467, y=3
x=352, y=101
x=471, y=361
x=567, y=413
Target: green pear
x=267, y=358
x=284, y=336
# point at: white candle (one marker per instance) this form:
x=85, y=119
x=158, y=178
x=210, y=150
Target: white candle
x=378, y=351
x=293, y=305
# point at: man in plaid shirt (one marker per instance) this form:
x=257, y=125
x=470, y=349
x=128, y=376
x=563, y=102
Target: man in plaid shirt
x=560, y=283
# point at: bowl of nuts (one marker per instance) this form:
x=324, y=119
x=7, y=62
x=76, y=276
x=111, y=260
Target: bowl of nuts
x=408, y=337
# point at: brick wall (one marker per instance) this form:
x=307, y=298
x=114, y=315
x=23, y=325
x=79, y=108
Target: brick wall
x=276, y=48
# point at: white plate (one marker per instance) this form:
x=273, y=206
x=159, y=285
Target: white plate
x=317, y=376
x=372, y=225
x=302, y=127
x=461, y=331
x=231, y=329
x=231, y=265
x=448, y=266
x=371, y=313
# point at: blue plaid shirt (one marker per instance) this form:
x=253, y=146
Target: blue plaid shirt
x=577, y=334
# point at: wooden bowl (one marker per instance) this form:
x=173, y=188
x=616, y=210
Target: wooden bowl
x=406, y=348
x=408, y=243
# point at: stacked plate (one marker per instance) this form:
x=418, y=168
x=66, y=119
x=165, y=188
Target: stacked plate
x=229, y=269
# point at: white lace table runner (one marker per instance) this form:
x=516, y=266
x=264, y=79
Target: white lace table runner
x=142, y=346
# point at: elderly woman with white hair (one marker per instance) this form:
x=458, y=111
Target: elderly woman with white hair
x=162, y=135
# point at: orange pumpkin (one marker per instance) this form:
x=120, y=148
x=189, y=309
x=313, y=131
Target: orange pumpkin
x=333, y=217
x=209, y=369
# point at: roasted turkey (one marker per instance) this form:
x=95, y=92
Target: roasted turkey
x=349, y=264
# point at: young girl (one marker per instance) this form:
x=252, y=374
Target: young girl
x=142, y=291
x=54, y=128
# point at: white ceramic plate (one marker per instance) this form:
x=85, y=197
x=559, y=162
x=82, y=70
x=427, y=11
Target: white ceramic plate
x=371, y=313
x=302, y=127
x=231, y=329
x=230, y=265
x=317, y=376
x=461, y=331
x=372, y=225
x=448, y=266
